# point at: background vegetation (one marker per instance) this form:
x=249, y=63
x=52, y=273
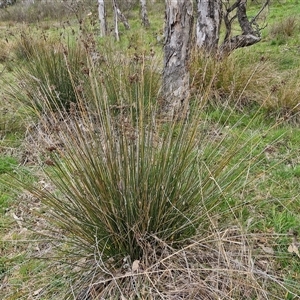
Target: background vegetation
x=99, y=197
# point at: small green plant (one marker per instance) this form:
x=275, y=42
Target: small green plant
x=7, y=165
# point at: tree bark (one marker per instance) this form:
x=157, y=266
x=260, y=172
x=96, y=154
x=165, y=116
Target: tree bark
x=122, y=17
x=209, y=17
x=248, y=37
x=144, y=13
x=115, y=7
x=102, y=18
x=178, y=33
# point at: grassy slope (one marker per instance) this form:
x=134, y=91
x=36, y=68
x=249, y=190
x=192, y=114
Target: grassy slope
x=277, y=193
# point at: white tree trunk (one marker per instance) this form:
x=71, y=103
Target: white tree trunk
x=178, y=32
x=208, y=24
x=144, y=13
x=102, y=18
x=122, y=18
x=115, y=7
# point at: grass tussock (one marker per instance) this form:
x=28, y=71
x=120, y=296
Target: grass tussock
x=137, y=206
x=230, y=79
x=44, y=72
x=4, y=53
x=283, y=98
x=232, y=82
x=58, y=72
x=285, y=28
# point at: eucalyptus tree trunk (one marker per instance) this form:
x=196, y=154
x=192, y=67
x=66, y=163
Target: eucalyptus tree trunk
x=122, y=17
x=178, y=33
x=209, y=17
x=144, y=13
x=115, y=7
x=102, y=18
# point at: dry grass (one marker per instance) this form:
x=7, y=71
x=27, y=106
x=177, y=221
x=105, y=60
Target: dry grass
x=283, y=97
x=230, y=80
x=38, y=11
x=285, y=28
x=220, y=266
x=226, y=263
x=4, y=53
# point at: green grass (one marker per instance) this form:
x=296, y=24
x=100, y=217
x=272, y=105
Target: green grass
x=7, y=164
x=269, y=204
x=277, y=45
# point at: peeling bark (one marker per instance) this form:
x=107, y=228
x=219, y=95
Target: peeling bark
x=208, y=24
x=102, y=18
x=115, y=7
x=144, y=13
x=178, y=32
x=118, y=15
x=210, y=15
x=238, y=41
x=122, y=18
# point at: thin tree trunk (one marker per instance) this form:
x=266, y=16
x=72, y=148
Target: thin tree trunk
x=102, y=18
x=208, y=24
x=121, y=16
x=144, y=13
x=178, y=33
x=115, y=7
